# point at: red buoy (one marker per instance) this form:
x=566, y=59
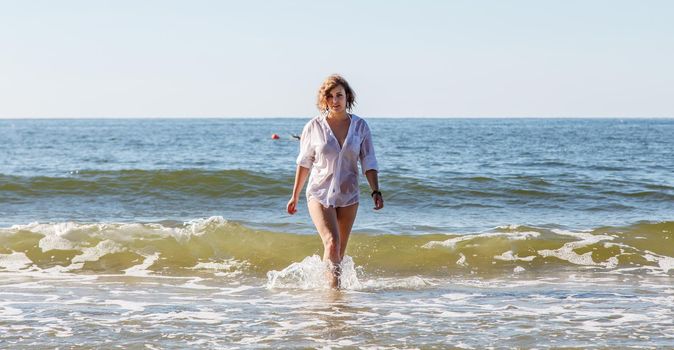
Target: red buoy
x=274, y=136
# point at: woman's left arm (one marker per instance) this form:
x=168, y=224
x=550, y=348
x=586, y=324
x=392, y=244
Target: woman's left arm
x=373, y=179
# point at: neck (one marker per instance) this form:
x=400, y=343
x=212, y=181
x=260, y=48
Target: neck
x=338, y=116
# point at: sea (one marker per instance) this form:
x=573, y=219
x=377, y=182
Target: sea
x=496, y=234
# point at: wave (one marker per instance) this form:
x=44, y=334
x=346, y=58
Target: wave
x=237, y=183
x=218, y=246
x=209, y=183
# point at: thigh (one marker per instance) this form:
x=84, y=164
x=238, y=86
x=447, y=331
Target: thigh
x=345, y=218
x=325, y=220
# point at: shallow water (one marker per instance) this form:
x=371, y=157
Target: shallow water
x=570, y=310
x=214, y=284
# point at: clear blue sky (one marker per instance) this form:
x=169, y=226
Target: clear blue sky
x=419, y=58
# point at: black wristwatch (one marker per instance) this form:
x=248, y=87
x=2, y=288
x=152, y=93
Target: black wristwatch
x=375, y=192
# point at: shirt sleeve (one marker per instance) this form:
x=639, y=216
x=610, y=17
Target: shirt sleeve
x=368, y=161
x=307, y=153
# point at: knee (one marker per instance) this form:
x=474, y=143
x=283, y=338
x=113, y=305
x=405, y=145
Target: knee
x=331, y=245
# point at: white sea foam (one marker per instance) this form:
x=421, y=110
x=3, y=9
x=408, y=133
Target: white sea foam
x=456, y=297
x=397, y=315
x=509, y=227
x=193, y=283
x=414, y=282
x=453, y=314
x=227, y=268
x=295, y=326
x=132, y=306
x=205, y=316
x=227, y=265
x=234, y=290
x=611, y=262
x=567, y=253
x=208, y=317
x=665, y=263
x=73, y=235
x=200, y=226
x=94, y=253
x=462, y=260
x=15, y=261
x=508, y=256
x=62, y=235
x=451, y=243
x=55, y=241
x=7, y=311
x=141, y=269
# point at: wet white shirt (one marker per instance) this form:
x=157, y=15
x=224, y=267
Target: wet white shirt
x=333, y=180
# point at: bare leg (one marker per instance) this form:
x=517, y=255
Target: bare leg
x=345, y=218
x=325, y=220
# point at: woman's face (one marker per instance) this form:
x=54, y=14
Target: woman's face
x=336, y=99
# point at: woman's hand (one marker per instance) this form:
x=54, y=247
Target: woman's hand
x=373, y=180
x=292, y=204
x=378, y=201
x=300, y=176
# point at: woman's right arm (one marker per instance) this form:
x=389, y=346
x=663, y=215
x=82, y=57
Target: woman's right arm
x=300, y=177
x=304, y=162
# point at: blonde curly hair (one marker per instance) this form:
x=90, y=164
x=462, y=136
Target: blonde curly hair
x=328, y=84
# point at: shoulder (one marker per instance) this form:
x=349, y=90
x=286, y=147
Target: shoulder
x=359, y=123
x=313, y=123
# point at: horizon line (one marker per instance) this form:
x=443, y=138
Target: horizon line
x=305, y=117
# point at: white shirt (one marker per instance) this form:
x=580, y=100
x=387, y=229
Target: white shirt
x=334, y=170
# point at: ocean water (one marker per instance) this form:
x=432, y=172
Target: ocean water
x=497, y=233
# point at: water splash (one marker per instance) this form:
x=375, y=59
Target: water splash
x=313, y=273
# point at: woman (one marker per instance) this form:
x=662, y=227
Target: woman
x=330, y=147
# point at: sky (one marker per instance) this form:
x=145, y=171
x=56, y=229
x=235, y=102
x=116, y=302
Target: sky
x=422, y=58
